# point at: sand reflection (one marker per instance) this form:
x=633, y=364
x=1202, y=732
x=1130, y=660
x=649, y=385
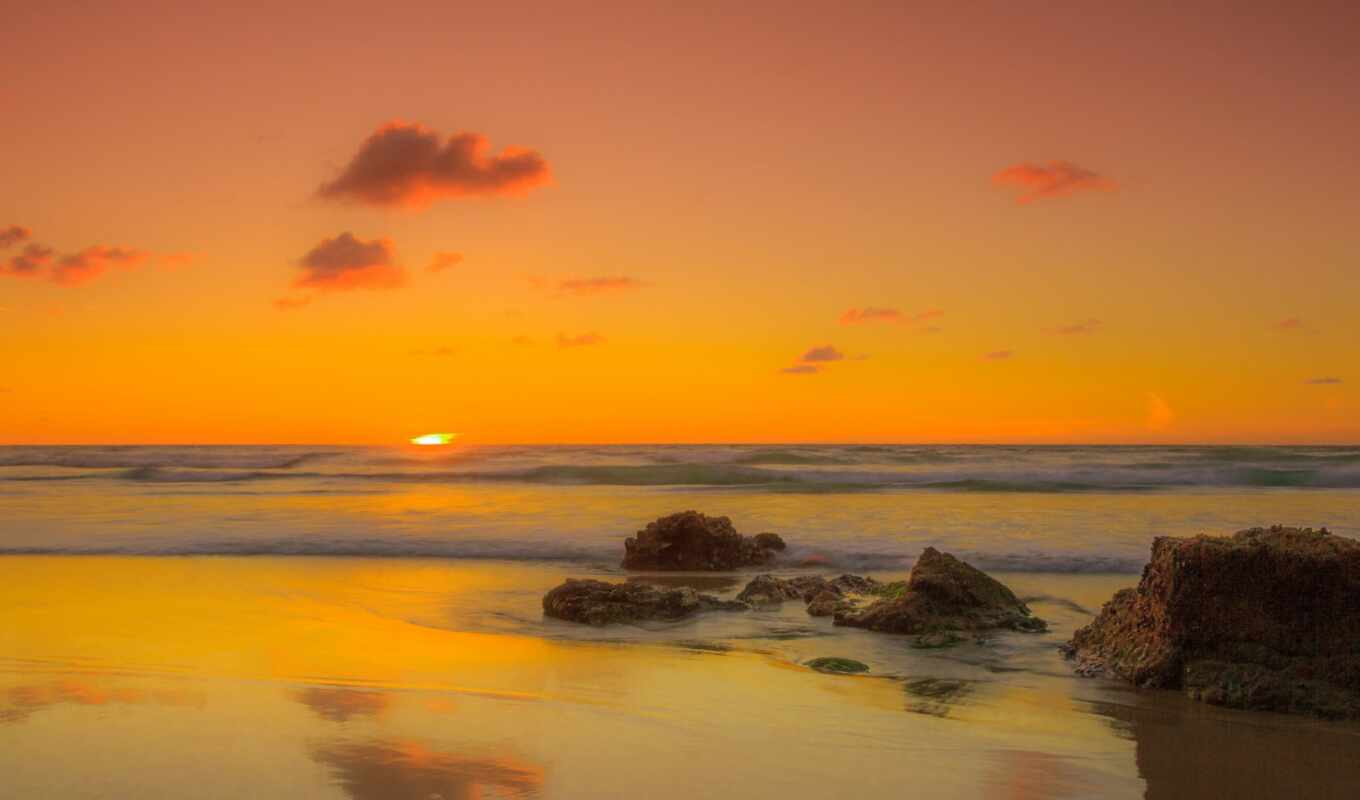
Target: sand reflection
x=340, y=704
x=405, y=770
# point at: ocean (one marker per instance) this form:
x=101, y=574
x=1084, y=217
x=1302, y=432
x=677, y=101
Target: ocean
x=366, y=623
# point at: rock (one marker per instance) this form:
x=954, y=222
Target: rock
x=769, y=590
x=1265, y=619
x=693, y=541
x=599, y=603
x=826, y=603
x=840, y=666
x=943, y=594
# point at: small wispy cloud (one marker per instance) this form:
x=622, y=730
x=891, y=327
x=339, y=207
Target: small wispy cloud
x=579, y=340
x=522, y=340
x=347, y=262
x=292, y=303
x=176, y=260
x=858, y=316
x=443, y=260
x=1077, y=328
x=801, y=369
x=1326, y=380
x=599, y=285
x=1054, y=179
x=822, y=354
x=998, y=355
x=437, y=352
x=1290, y=324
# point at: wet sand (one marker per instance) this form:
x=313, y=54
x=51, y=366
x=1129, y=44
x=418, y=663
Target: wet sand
x=215, y=677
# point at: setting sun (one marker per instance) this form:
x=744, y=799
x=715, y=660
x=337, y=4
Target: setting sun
x=433, y=439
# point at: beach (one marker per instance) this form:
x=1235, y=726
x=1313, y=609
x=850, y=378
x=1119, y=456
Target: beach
x=260, y=622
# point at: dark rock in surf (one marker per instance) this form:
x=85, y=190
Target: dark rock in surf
x=599, y=603
x=943, y=594
x=838, y=666
x=1265, y=619
x=692, y=541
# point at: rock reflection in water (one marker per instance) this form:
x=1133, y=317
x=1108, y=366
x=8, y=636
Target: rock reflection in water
x=17, y=703
x=1186, y=750
x=405, y=770
x=340, y=704
x=935, y=696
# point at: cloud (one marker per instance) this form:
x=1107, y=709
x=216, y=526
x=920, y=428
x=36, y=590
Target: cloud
x=998, y=355
x=1324, y=381
x=522, y=340
x=406, y=165
x=72, y=269
x=442, y=261
x=1290, y=324
x=31, y=262
x=801, y=369
x=856, y=316
x=345, y=263
x=870, y=314
x=580, y=340
x=13, y=235
x=88, y=264
x=1076, y=328
x=822, y=354
x=584, y=286
x=293, y=303
x=1054, y=179
x=176, y=260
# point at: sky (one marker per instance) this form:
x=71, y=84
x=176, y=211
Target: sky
x=815, y=222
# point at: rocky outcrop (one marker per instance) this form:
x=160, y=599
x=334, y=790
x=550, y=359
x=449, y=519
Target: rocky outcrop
x=1264, y=619
x=598, y=603
x=942, y=594
x=694, y=542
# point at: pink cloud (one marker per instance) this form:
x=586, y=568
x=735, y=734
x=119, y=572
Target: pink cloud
x=31, y=262
x=13, y=235
x=580, y=340
x=998, y=355
x=406, y=165
x=82, y=267
x=1054, y=179
x=346, y=262
x=1290, y=324
x=442, y=261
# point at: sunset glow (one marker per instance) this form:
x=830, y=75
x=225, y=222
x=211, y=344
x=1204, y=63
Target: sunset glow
x=433, y=439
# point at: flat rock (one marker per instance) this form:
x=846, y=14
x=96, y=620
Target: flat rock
x=599, y=603
x=692, y=541
x=942, y=594
x=1265, y=619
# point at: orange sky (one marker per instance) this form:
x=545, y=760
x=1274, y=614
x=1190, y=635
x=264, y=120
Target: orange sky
x=1081, y=225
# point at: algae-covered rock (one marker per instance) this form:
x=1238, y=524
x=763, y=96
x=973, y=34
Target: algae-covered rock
x=598, y=603
x=1264, y=619
x=841, y=666
x=943, y=594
